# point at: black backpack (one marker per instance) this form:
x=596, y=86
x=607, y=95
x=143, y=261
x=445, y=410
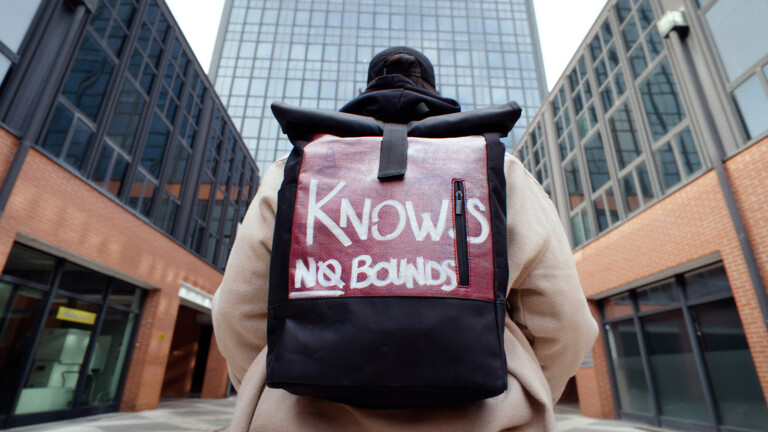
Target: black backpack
x=389, y=269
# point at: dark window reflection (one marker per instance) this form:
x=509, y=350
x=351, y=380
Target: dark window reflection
x=706, y=283
x=57, y=131
x=152, y=157
x=624, y=135
x=88, y=78
x=674, y=369
x=596, y=162
x=661, y=102
x=657, y=297
x=729, y=365
x=573, y=182
x=687, y=151
x=78, y=145
x=125, y=119
x=631, y=382
x=665, y=159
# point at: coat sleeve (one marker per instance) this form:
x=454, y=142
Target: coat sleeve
x=240, y=304
x=545, y=296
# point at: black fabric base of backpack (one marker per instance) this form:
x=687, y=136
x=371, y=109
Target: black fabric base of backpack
x=373, y=371
x=389, y=352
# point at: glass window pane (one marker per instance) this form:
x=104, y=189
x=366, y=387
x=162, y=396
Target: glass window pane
x=87, y=81
x=665, y=159
x=5, y=65
x=674, y=368
x=57, y=131
x=624, y=135
x=109, y=357
x=78, y=145
x=118, y=175
x=657, y=297
x=623, y=9
x=597, y=165
x=83, y=281
x=740, y=34
x=578, y=232
x=126, y=117
x=631, y=198
x=20, y=311
x=730, y=366
x=645, y=182
x=573, y=183
x=15, y=20
x=706, y=283
x=29, y=264
x=660, y=100
x=689, y=156
x=58, y=357
x=637, y=61
x=752, y=103
x=103, y=162
x=124, y=294
x=630, y=34
x=152, y=157
x=631, y=382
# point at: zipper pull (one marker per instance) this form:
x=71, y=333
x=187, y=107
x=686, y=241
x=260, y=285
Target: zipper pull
x=459, y=202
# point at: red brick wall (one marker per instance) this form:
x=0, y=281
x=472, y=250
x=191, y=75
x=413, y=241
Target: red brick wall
x=593, y=383
x=691, y=223
x=53, y=205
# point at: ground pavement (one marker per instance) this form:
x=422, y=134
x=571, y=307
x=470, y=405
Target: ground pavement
x=213, y=415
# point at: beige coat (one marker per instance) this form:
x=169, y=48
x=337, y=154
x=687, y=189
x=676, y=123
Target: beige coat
x=550, y=334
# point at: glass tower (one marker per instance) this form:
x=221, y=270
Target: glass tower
x=315, y=54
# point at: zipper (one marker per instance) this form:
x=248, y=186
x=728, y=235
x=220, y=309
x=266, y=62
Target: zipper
x=462, y=251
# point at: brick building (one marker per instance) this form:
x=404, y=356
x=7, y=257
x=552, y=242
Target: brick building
x=122, y=183
x=654, y=146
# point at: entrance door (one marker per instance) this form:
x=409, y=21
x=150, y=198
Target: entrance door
x=187, y=359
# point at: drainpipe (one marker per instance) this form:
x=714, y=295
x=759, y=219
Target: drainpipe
x=45, y=101
x=674, y=27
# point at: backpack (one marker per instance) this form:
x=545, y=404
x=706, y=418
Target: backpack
x=388, y=273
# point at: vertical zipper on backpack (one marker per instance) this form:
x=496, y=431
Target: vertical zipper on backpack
x=461, y=232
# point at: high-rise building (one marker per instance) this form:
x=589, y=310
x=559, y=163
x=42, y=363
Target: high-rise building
x=122, y=184
x=654, y=147
x=315, y=53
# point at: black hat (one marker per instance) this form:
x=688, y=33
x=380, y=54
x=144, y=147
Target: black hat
x=376, y=68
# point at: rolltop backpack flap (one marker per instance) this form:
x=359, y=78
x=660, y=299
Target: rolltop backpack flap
x=389, y=292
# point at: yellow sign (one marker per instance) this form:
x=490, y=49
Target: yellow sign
x=161, y=336
x=75, y=315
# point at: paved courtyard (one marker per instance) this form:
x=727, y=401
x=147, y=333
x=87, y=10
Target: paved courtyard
x=211, y=415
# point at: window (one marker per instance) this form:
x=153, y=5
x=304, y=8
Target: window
x=752, y=103
x=740, y=34
x=663, y=107
x=14, y=22
x=88, y=78
x=624, y=135
x=677, y=159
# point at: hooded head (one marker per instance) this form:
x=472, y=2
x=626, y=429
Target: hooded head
x=401, y=88
x=404, y=61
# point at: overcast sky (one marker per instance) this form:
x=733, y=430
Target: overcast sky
x=562, y=26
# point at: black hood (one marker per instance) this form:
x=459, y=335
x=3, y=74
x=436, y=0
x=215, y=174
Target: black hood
x=394, y=99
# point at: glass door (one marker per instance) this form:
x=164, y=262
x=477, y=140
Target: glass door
x=20, y=312
x=52, y=380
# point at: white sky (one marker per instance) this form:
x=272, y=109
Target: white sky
x=562, y=26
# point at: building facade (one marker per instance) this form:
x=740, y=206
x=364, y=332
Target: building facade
x=654, y=146
x=122, y=184
x=315, y=54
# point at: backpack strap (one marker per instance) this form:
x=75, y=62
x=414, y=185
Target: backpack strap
x=393, y=156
